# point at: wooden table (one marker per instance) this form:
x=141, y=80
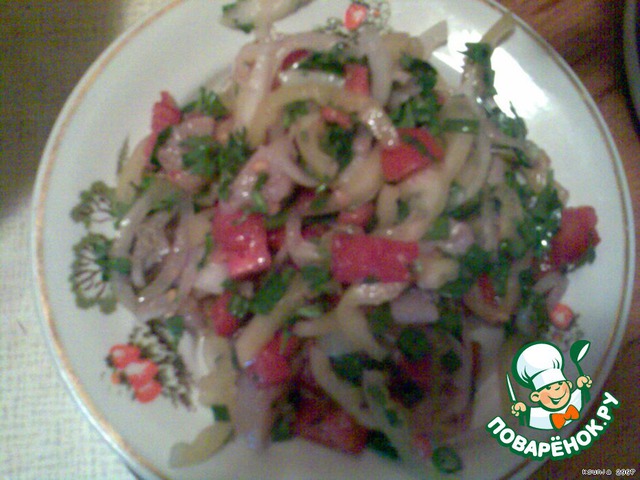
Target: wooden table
x=46, y=46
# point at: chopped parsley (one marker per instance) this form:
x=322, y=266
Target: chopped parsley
x=351, y=366
x=208, y=103
x=380, y=443
x=446, y=459
x=380, y=319
x=542, y=214
x=293, y=111
x=439, y=230
x=220, y=413
x=403, y=210
x=480, y=54
x=472, y=264
x=450, y=362
x=271, y=291
x=329, y=61
x=175, y=326
x=338, y=143
x=231, y=13
x=413, y=343
x=214, y=161
x=421, y=109
x=317, y=278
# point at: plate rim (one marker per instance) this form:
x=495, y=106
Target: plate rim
x=69, y=374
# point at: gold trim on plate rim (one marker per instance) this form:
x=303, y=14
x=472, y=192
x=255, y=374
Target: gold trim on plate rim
x=81, y=396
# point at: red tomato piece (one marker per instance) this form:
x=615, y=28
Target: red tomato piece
x=272, y=366
x=333, y=115
x=148, y=392
x=418, y=370
x=314, y=230
x=123, y=354
x=165, y=113
x=294, y=57
x=140, y=372
x=417, y=150
x=423, y=444
x=320, y=420
x=355, y=14
x=359, y=216
x=276, y=238
x=242, y=240
x=355, y=258
x=561, y=316
x=576, y=235
x=224, y=323
x=487, y=290
x=356, y=78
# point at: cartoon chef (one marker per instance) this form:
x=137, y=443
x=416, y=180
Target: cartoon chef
x=538, y=367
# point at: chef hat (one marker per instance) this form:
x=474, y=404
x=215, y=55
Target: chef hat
x=538, y=365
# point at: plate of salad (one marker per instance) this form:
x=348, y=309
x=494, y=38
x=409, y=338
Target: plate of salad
x=304, y=239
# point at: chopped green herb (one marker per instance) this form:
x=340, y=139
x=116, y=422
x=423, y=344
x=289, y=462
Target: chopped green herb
x=476, y=260
x=406, y=391
x=314, y=310
x=542, y=214
x=466, y=209
x=271, y=291
x=163, y=136
x=258, y=202
x=513, y=248
x=214, y=161
x=351, y=366
x=208, y=248
x=421, y=109
x=293, y=111
x=413, y=343
x=230, y=14
x=472, y=264
x=380, y=319
x=512, y=126
x=439, y=230
x=393, y=418
x=330, y=61
x=239, y=306
x=450, y=362
x=220, y=413
x=403, y=210
x=166, y=203
x=282, y=429
x=338, y=143
x=424, y=74
x=208, y=103
x=380, y=443
x=450, y=321
x=273, y=222
x=175, y=326
x=499, y=274
x=456, y=288
x=480, y=53
x=418, y=111
x=446, y=460
x=316, y=277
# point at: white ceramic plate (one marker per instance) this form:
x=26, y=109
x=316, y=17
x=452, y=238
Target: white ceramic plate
x=182, y=46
